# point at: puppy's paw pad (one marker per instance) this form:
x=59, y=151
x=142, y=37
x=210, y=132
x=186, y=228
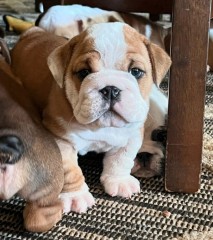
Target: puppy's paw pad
x=120, y=186
x=78, y=201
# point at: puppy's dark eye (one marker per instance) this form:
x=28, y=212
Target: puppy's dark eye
x=83, y=73
x=137, y=73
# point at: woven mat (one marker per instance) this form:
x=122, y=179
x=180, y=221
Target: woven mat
x=141, y=217
x=114, y=218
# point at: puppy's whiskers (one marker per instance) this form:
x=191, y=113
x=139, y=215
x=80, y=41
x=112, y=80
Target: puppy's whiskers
x=137, y=122
x=153, y=119
x=70, y=121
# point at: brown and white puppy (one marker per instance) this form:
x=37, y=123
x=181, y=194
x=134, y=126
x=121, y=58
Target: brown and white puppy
x=30, y=161
x=70, y=20
x=150, y=159
x=94, y=92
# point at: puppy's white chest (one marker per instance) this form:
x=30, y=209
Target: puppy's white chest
x=101, y=140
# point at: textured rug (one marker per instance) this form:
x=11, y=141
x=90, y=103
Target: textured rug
x=153, y=214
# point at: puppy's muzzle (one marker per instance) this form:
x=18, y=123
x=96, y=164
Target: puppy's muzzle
x=111, y=94
x=11, y=149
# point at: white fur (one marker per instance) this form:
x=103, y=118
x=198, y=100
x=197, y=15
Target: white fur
x=158, y=107
x=123, y=186
x=148, y=31
x=9, y=172
x=156, y=118
x=211, y=33
x=112, y=49
x=58, y=18
x=100, y=140
x=77, y=201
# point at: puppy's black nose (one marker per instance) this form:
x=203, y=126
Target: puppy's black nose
x=110, y=93
x=144, y=158
x=11, y=149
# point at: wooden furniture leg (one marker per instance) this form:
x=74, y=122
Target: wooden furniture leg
x=187, y=94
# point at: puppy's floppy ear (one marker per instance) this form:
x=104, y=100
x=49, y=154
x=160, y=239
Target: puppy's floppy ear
x=59, y=59
x=57, y=62
x=160, y=61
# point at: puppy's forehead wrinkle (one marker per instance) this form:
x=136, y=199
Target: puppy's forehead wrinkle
x=86, y=59
x=109, y=41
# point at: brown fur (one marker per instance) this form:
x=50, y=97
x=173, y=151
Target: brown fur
x=39, y=174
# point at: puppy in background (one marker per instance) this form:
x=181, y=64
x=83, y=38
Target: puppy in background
x=94, y=91
x=150, y=159
x=30, y=161
x=70, y=20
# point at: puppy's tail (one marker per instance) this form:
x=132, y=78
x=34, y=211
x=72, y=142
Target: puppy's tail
x=11, y=149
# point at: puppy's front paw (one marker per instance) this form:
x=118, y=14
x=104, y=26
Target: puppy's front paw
x=78, y=201
x=120, y=186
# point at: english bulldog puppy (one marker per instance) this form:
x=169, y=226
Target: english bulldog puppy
x=30, y=161
x=150, y=159
x=70, y=20
x=94, y=91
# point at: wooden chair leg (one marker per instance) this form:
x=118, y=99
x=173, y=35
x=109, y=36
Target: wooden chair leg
x=187, y=94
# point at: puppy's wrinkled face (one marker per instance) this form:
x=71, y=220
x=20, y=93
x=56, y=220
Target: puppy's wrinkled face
x=108, y=76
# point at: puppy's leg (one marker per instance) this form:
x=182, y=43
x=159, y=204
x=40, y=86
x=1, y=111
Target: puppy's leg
x=75, y=193
x=41, y=218
x=118, y=163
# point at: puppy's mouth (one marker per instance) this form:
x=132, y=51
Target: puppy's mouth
x=112, y=118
